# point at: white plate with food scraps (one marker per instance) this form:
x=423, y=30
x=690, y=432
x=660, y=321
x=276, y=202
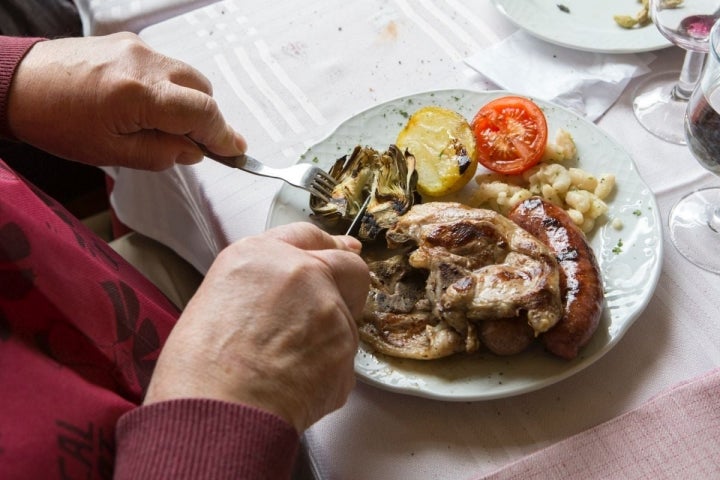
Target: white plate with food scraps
x=583, y=24
x=630, y=257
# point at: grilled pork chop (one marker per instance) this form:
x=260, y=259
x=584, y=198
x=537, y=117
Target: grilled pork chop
x=459, y=270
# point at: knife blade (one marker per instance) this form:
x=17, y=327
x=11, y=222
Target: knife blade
x=356, y=221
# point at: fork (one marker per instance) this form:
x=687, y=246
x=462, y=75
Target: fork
x=302, y=175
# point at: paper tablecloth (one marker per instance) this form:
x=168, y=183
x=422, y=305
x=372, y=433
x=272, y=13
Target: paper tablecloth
x=286, y=73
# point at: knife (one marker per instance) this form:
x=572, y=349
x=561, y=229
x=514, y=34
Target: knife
x=356, y=221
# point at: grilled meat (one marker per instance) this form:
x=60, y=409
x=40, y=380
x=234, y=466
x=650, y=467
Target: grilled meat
x=474, y=266
x=580, y=278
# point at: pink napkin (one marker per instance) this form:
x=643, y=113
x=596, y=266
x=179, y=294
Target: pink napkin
x=674, y=435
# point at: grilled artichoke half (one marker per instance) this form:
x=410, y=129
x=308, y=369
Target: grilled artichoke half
x=389, y=178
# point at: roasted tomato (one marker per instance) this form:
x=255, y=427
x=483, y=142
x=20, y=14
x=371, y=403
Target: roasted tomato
x=510, y=134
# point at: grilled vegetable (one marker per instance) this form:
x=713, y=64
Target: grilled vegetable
x=444, y=146
x=389, y=178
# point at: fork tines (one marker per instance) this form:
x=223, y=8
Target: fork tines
x=322, y=185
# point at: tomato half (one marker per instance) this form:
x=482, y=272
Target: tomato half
x=510, y=134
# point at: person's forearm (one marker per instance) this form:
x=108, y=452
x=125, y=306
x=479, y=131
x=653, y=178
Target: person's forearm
x=12, y=50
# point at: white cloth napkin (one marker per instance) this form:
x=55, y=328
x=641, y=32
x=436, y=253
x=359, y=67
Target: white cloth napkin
x=586, y=82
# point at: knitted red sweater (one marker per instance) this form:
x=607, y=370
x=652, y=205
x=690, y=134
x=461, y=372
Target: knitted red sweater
x=80, y=330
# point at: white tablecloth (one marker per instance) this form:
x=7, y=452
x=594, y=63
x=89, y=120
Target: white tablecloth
x=100, y=17
x=286, y=73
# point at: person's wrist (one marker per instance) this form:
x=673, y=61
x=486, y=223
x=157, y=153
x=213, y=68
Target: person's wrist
x=22, y=91
x=260, y=402
x=257, y=393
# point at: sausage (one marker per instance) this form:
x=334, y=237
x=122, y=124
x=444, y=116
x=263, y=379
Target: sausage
x=506, y=336
x=581, y=286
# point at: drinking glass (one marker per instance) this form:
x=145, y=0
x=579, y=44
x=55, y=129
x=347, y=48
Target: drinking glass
x=694, y=221
x=660, y=102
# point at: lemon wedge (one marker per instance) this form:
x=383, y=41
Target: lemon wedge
x=443, y=145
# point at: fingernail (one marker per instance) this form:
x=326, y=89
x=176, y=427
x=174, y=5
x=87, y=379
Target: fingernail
x=352, y=243
x=240, y=143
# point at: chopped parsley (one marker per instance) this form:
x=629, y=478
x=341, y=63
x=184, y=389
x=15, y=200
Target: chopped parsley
x=618, y=248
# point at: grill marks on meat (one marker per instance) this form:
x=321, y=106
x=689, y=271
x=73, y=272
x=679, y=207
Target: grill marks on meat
x=398, y=319
x=580, y=279
x=477, y=267
x=498, y=269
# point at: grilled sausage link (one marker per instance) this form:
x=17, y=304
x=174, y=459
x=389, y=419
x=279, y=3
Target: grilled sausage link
x=580, y=280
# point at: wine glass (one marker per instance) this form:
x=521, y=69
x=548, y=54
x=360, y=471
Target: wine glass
x=694, y=221
x=660, y=102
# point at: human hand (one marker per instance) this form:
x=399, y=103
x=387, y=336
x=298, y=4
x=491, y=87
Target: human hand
x=272, y=326
x=113, y=100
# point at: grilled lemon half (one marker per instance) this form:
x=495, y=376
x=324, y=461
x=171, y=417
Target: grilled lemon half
x=444, y=148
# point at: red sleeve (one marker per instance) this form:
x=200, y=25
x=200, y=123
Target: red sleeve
x=12, y=50
x=203, y=438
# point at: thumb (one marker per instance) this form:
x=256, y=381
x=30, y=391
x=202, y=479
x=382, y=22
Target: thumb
x=306, y=236
x=222, y=141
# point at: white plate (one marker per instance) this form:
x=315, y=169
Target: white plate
x=588, y=26
x=629, y=275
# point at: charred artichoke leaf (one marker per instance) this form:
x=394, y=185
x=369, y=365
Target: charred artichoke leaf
x=354, y=175
x=392, y=194
x=389, y=178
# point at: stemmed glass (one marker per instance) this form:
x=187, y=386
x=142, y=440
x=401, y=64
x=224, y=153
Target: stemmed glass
x=660, y=102
x=694, y=221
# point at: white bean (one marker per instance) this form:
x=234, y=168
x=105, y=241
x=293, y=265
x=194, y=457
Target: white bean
x=577, y=217
x=582, y=179
x=579, y=200
x=605, y=185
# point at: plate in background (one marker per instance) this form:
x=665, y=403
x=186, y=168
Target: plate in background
x=587, y=25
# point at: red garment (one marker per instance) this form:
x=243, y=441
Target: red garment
x=11, y=52
x=204, y=439
x=80, y=330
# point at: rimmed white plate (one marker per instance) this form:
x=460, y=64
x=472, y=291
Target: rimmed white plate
x=587, y=25
x=630, y=257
